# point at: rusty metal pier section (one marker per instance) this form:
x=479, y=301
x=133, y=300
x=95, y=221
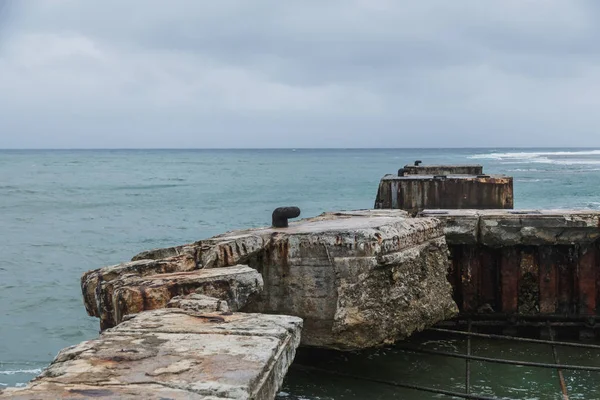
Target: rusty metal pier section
x=418, y=187
x=506, y=265
x=528, y=276
x=528, y=265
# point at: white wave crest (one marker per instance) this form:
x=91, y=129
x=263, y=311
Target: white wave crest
x=573, y=162
x=21, y=371
x=533, y=180
x=536, y=154
x=584, y=157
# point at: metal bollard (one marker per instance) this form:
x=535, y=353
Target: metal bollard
x=281, y=215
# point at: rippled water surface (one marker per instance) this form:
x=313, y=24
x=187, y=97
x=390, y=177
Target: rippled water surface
x=65, y=212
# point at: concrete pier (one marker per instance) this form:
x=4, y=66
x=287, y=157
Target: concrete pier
x=111, y=299
x=174, y=354
x=534, y=262
x=357, y=279
x=414, y=193
x=419, y=169
x=221, y=318
x=418, y=187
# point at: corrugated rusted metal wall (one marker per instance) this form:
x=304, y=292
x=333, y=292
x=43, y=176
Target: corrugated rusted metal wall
x=416, y=193
x=527, y=280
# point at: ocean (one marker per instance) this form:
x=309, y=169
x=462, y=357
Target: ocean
x=63, y=212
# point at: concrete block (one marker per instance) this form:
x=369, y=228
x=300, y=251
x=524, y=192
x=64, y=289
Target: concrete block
x=175, y=354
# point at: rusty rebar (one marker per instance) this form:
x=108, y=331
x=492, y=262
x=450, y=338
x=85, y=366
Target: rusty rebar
x=561, y=378
x=518, y=324
x=515, y=338
x=392, y=383
x=501, y=361
x=533, y=317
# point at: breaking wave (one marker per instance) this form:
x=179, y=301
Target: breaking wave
x=583, y=157
x=536, y=154
x=21, y=371
x=533, y=180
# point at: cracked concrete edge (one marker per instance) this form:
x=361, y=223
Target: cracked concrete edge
x=269, y=379
x=502, y=228
x=44, y=391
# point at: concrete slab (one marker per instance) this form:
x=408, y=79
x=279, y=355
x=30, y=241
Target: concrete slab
x=175, y=354
x=198, y=302
x=357, y=278
x=130, y=294
x=502, y=228
x=469, y=169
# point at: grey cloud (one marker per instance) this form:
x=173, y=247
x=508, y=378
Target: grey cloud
x=362, y=73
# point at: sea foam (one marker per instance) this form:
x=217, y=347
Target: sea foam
x=543, y=157
x=21, y=371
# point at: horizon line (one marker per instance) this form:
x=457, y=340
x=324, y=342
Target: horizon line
x=287, y=148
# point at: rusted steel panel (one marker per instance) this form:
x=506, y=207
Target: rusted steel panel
x=418, y=192
x=529, y=290
x=586, y=280
x=454, y=273
x=489, y=291
x=548, y=280
x=509, y=279
x=597, y=249
x=470, y=275
x=566, y=261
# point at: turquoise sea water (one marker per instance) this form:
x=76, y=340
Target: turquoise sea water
x=65, y=212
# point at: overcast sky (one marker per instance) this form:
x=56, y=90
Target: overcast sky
x=305, y=73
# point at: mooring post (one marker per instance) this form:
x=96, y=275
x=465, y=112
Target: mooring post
x=281, y=215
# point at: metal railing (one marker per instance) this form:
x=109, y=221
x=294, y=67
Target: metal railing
x=468, y=357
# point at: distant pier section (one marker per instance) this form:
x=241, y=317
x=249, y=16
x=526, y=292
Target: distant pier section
x=418, y=187
x=418, y=169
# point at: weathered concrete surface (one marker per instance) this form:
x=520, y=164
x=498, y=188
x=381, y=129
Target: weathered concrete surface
x=92, y=281
x=198, y=302
x=357, y=282
x=415, y=193
x=131, y=293
x=502, y=228
x=442, y=169
x=174, y=354
x=358, y=279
